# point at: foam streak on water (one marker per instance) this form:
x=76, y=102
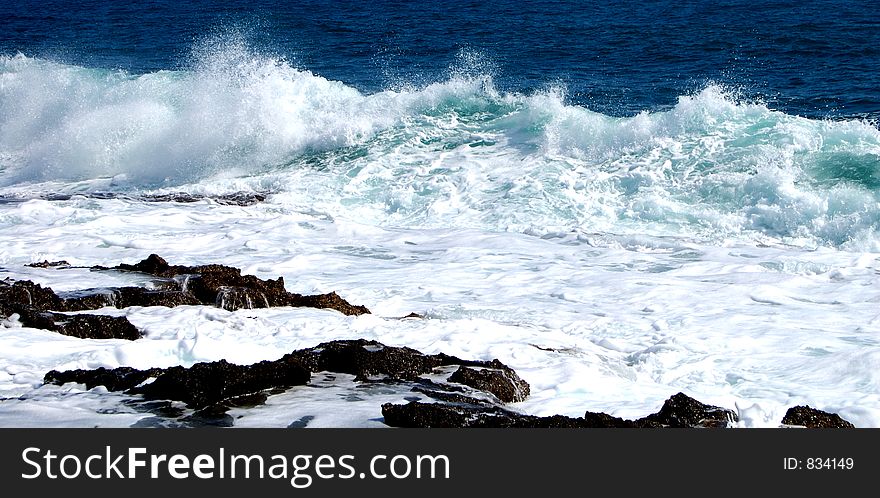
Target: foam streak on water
x=719, y=247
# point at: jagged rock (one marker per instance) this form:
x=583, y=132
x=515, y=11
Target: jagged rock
x=497, y=378
x=331, y=300
x=154, y=265
x=812, y=418
x=116, y=379
x=124, y=297
x=50, y=264
x=32, y=302
x=220, y=385
x=461, y=411
x=683, y=411
x=479, y=415
x=200, y=386
x=364, y=359
x=226, y=287
x=416, y=414
x=14, y=295
x=82, y=326
x=205, y=384
x=236, y=199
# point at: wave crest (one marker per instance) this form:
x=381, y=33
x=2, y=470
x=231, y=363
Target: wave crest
x=452, y=153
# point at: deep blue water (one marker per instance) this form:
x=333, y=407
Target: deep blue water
x=816, y=58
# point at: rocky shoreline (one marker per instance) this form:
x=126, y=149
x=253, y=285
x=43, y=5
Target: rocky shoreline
x=233, y=199
x=475, y=394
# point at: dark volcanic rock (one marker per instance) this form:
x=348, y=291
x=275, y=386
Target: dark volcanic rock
x=416, y=414
x=50, y=264
x=15, y=295
x=236, y=199
x=154, y=265
x=205, y=384
x=139, y=296
x=214, y=387
x=497, y=378
x=458, y=411
x=124, y=297
x=82, y=326
x=32, y=303
x=332, y=301
x=226, y=287
x=116, y=379
x=683, y=411
x=364, y=359
x=474, y=415
x=814, y=419
x=200, y=386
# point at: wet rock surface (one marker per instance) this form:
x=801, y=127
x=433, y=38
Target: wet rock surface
x=474, y=393
x=124, y=297
x=496, y=378
x=115, y=379
x=16, y=295
x=205, y=384
x=199, y=386
x=467, y=398
x=226, y=287
x=364, y=359
x=49, y=264
x=814, y=419
x=213, y=285
x=32, y=304
x=683, y=411
x=212, y=388
x=82, y=326
x=232, y=199
x=678, y=411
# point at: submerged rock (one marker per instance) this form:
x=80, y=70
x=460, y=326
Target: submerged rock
x=814, y=419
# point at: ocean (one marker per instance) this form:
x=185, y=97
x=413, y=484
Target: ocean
x=620, y=202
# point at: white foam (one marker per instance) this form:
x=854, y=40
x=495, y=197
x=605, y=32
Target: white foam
x=717, y=248
x=614, y=324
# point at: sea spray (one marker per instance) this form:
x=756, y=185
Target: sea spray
x=455, y=153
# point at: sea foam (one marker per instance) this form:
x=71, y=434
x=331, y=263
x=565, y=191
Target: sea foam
x=456, y=153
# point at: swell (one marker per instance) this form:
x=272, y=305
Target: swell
x=454, y=153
